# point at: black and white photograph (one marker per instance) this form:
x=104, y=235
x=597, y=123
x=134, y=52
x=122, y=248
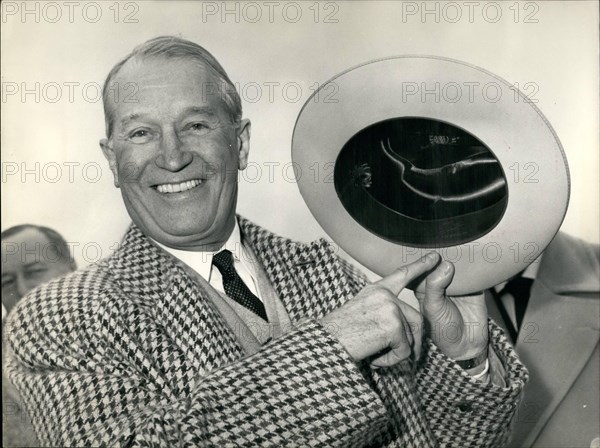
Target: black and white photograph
x=300, y=223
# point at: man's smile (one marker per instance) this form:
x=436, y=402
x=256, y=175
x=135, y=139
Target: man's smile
x=178, y=187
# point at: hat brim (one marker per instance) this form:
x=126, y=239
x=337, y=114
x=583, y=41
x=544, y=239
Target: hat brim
x=464, y=96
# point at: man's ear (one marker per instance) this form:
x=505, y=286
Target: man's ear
x=243, y=143
x=109, y=153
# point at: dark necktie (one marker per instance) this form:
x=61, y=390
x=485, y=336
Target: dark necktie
x=235, y=287
x=520, y=288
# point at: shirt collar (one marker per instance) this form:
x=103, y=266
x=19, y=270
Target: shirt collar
x=530, y=272
x=201, y=262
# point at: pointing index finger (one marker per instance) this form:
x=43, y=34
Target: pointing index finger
x=397, y=280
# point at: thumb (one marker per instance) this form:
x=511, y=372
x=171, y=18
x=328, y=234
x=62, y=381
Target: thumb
x=435, y=286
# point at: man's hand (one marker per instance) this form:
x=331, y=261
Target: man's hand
x=456, y=325
x=377, y=324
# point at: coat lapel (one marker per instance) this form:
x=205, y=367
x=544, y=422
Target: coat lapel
x=559, y=333
x=306, y=276
x=558, y=337
x=168, y=315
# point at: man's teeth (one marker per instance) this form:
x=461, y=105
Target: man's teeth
x=178, y=188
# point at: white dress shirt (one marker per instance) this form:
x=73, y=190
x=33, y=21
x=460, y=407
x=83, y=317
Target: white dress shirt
x=201, y=262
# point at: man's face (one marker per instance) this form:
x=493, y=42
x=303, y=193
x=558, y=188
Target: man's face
x=29, y=259
x=175, y=153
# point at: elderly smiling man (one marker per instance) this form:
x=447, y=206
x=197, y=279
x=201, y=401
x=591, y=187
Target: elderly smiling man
x=205, y=329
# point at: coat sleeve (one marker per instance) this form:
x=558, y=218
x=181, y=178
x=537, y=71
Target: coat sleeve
x=79, y=391
x=450, y=409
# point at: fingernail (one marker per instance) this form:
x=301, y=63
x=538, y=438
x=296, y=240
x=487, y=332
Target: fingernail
x=432, y=256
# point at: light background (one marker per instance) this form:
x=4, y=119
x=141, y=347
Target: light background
x=559, y=54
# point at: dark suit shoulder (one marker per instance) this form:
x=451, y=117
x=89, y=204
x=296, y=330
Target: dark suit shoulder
x=580, y=248
x=571, y=265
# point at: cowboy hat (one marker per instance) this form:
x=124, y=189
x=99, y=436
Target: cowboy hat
x=407, y=155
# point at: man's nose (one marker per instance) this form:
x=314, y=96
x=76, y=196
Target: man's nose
x=173, y=156
x=23, y=286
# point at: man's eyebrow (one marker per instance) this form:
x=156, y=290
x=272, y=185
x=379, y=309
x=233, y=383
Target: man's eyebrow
x=33, y=264
x=192, y=110
x=128, y=118
x=199, y=110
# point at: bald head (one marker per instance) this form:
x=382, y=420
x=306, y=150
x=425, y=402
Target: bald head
x=31, y=256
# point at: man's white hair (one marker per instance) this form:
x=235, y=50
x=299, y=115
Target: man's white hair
x=176, y=48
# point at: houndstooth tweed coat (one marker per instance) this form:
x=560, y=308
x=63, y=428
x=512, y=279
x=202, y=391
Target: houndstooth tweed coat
x=129, y=352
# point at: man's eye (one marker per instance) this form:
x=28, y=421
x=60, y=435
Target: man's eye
x=199, y=127
x=36, y=272
x=6, y=283
x=140, y=136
